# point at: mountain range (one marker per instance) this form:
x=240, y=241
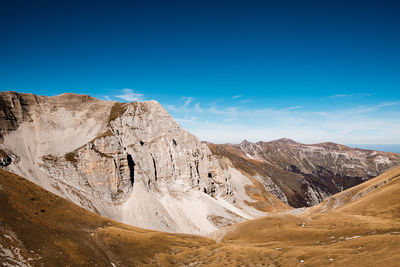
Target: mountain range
x=108, y=167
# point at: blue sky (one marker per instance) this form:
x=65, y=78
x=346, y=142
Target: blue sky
x=312, y=71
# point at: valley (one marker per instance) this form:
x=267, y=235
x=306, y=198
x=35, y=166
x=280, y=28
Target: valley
x=86, y=181
x=39, y=228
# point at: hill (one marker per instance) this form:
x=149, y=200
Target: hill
x=364, y=230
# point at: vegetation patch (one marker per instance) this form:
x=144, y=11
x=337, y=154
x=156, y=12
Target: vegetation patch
x=49, y=158
x=2, y=153
x=117, y=110
x=72, y=157
x=219, y=221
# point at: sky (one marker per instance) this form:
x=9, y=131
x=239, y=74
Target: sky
x=313, y=71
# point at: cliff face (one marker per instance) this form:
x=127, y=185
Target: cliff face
x=129, y=162
x=303, y=175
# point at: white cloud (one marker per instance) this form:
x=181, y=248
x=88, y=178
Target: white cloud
x=106, y=97
x=350, y=96
x=338, y=96
x=236, y=96
x=368, y=124
x=197, y=107
x=130, y=95
x=187, y=100
x=293, y=108
x=187, y=120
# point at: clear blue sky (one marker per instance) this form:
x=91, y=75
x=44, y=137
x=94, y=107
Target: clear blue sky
x=226, y=70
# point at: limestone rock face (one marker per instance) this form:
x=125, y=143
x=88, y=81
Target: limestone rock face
x=128, y=161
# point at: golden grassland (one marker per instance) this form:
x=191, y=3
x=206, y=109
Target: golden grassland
x=358, y=227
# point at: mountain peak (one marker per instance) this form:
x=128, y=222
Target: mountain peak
x=285, y=141
x=245, y=142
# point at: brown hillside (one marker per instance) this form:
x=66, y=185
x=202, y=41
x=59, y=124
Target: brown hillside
x=40, y=228
x=362, y=232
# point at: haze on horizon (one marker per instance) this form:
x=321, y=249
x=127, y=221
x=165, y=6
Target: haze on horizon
x=312, y=71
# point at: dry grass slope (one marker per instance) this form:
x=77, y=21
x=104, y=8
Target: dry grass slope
x=361, y=232
x=39, y=228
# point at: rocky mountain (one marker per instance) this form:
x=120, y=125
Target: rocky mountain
x=303, y=175
x=127, y=161
x=133, y=163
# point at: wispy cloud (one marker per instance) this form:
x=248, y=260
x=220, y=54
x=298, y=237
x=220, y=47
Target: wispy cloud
x=350, y=96
x=187, y=100
x=240, y=98
x=130, y=95
x=187, y=120
x=375, y=123
x=293, y=108
x=106, y=97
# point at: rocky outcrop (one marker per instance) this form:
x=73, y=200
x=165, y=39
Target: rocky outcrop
x=5, y=160
x=128, y=161
x=303, y=175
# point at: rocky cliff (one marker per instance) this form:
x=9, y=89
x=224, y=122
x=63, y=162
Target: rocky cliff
x=303, y=175
x=127, y=161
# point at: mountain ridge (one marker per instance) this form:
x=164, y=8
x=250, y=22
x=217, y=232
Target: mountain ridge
x=304, y=174
x=133, y=163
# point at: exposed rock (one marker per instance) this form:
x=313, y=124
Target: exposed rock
x=303, y=175
x=5, y=160
x=128, y=161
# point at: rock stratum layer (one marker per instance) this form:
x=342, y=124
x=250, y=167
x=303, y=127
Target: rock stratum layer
x=127, y=161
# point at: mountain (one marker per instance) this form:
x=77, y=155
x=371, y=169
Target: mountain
x=303, y=175
x=39, y=228
x=130, y=162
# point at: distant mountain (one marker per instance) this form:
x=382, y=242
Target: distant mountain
x=379, y=147
x=303, y=175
